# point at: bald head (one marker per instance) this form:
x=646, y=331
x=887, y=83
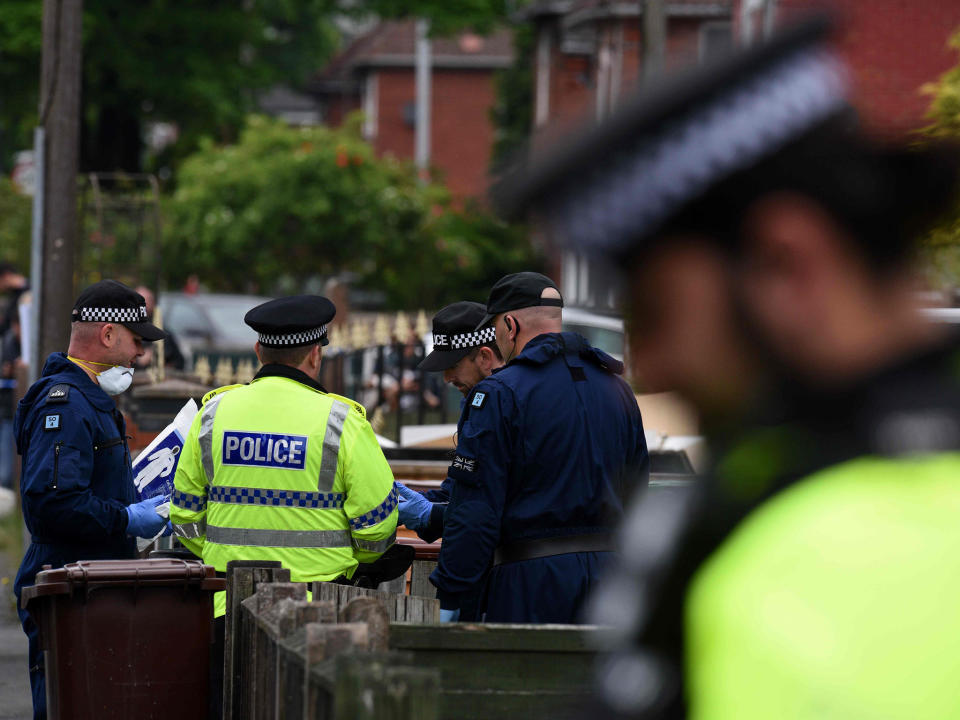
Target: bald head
x=148, y=298
x=541, y=318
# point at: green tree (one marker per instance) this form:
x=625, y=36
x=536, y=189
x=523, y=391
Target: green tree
x=942, y=246
x=197, y=64
x=284, y=206
x=15, y=209
x=445, y=17
x=512, y=112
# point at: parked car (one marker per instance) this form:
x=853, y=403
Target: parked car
x=210, y=324
x=602, y=331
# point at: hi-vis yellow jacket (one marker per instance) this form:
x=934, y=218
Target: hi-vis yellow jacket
x=278, y=470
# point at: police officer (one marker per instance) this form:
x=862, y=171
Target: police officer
x=816, y=573
x=280, y=469
x=547, y=447
x=466, y=355
x=78, y=496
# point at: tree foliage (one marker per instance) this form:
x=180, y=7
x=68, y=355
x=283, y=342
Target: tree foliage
x=512, y=112
x=942, y=246
x=284, y=206
x=197, y=64
x=445, y=17
x=15, y=209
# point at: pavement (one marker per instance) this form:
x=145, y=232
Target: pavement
x=15, y=702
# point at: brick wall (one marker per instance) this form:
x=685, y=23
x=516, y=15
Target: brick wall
x=461, y=136
x=893, y=47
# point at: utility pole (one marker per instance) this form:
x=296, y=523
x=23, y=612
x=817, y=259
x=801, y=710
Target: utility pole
x=421, y=149
x=654, y=38
x=58, y=148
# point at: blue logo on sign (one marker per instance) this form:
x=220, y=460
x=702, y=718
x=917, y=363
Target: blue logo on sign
x=478, y=400
x=287, y=452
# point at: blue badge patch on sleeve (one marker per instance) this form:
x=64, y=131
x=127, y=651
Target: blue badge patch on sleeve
x=286, y=452
x=51, y=422
x=478, y=400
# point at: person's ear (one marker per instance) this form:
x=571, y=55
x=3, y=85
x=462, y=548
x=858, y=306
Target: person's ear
x=256, y=349
x=485, y=359
x=511, y=324
x=108, y=333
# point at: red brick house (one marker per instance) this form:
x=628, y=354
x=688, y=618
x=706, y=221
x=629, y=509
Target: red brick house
x=588, y=56
x=375, y=73
x=893, y=47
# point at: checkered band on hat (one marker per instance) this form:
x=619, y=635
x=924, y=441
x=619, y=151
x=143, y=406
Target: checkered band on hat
x=107, y=314
x=464, y=340
x=630, y=196
x=293, y=339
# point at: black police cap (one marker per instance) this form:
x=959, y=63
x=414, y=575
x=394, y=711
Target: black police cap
x=457, y=329
x=516, y=291
x=109, y=301
x=615, y=185
x=292, y=321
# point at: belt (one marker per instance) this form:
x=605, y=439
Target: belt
x=547, y=547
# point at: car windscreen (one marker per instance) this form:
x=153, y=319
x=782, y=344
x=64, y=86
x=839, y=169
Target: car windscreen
x=610, y=341
x=226, y=315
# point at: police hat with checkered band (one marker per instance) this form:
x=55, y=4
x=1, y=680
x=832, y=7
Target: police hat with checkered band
x=455, y=334
x=109, y=301
x=292, y=321
x=660, y=158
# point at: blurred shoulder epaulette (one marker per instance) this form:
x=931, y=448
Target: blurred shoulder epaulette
x=360, y=409
x=217, y=391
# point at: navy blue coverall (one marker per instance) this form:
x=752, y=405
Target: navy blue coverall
x=548, y=447
x=75, y=484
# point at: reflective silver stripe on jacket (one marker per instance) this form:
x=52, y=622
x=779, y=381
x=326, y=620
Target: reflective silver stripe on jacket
x=331, y=446
x=376, y=546
x=279, y=538
x=190, y=531
x=205, y=436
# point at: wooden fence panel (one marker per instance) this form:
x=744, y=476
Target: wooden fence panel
x=243, y=579
x=420, y=585
x=401, y=608
x=528, y=671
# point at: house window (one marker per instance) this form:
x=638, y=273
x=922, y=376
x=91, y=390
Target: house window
x=370, y=101
x=716, y=40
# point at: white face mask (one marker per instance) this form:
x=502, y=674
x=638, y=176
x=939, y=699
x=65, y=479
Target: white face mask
x=115, y=380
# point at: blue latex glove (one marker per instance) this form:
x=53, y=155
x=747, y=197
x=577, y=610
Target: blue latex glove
x=449, y=615
x=168, y=530
x=414, y=508
x=142, y=518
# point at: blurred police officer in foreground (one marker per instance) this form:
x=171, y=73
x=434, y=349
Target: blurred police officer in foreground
x=547, y=447
x=78, y=497
x=280, y=469
x=817, y=573
x=466, y=355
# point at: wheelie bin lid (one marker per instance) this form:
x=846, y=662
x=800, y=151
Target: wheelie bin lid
x=87, y=575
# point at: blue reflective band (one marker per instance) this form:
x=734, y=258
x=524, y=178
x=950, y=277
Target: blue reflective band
x=378, y=514
x=287, y=452
x=275, y=498
x=187, y=501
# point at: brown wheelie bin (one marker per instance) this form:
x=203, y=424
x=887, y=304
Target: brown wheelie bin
x=125, y=638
